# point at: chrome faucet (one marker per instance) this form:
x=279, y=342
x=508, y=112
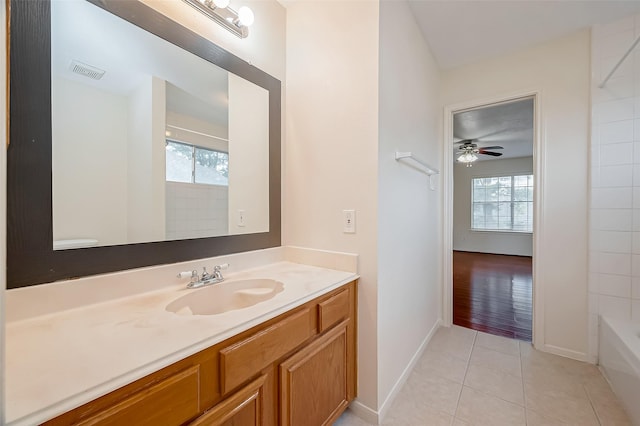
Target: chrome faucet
x=206, y=278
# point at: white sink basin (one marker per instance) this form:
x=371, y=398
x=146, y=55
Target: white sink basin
x=225, y=296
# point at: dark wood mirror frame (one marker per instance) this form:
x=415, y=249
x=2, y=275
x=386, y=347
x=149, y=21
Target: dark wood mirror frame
x=31, y=259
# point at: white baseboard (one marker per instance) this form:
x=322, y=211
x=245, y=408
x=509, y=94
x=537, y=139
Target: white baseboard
x=567, y=353
x=384, y=408
x=364, y=412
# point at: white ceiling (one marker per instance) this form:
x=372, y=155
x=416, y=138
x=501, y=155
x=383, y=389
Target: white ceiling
x=466, y=31
x=509, y=125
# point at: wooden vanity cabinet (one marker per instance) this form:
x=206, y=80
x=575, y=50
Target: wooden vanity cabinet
x=296, y=369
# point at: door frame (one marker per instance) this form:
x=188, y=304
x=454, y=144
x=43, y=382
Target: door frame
x=447, y=203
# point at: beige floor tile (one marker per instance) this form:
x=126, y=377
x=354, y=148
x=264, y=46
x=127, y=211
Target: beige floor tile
x=350, y=419
x=526, y=348
x=453, y=341
x=607, y=406
x=561, y=407
x=547, y=380
x=463, y=332
x=498, y=343
x=557, y=391
x=555, y=364
x=483, y=357
x=495, y=382
x=536, y=419
x=477, y=408
x=433, y=391
x=409, y=410
x=442, y=364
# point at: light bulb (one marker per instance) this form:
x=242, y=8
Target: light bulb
x=221, y=3
x=245, y=16
x=467, y=157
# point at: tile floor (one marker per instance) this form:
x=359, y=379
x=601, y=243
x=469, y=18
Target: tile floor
x=472, y=378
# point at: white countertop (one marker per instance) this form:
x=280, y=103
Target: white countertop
x=60, y=361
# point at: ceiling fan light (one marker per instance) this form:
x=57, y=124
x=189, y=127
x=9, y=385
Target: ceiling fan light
x=467, y=157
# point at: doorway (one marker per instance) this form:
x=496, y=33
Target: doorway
x=490, y=204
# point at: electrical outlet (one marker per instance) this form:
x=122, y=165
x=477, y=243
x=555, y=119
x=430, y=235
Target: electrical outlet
x=241, y=218
x=349, y=221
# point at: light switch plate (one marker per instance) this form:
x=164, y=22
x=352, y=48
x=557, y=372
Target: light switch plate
x=241, y=218
x=349, y=221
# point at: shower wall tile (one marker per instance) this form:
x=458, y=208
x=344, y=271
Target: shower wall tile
x=195, y=210
x=612, y=219
x=614, y=285
x=616, y=176
x=619, y=131
x=635, y=287
x=615, y=307
x=612, y=198
x=615, y=110
x=615, y=263
x=635, y=310
x=614, y=231
x=613, y=241
x=616, y=154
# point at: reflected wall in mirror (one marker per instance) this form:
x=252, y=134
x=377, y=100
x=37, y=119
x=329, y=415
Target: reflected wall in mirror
x=150, y=142
x=173, y=154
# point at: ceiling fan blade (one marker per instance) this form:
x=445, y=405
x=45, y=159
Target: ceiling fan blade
x=495, y=154
x=492, y=147
x=463, y=141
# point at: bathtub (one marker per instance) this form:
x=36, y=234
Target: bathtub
x=620, y=362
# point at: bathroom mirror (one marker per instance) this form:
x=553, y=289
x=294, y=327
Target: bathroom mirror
x=150, y=142
x=133, y=142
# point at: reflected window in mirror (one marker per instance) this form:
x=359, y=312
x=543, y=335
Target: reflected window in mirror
x=194, y=164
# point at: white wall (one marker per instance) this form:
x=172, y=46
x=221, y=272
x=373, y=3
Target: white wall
x=464, y=239
x=614, y=265
x=146, y=162
x=248, y=157
x=331, y=151
x=89, y=128
x=409, y=222
x=560, y=70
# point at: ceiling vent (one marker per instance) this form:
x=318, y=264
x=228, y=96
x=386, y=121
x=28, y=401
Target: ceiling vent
x=86, y=70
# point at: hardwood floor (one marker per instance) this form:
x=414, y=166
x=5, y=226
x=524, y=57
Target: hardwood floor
x=492, y=293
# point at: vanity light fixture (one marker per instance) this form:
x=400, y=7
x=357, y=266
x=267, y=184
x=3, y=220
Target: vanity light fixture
x=218, y=10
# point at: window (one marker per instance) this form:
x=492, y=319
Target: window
x=193, y=164
x=502, y=203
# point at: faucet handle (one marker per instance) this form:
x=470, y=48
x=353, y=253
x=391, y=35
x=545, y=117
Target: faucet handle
x=219, y=267
x=192, y=274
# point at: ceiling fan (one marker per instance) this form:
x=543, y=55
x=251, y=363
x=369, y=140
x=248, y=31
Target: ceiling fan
x=468, y=150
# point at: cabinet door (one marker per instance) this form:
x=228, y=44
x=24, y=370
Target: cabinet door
x=313, y=382
x=172, y=401
x=243, y=408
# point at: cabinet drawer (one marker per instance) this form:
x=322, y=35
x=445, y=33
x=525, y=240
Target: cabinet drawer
x=333, y=310
x=241, y=361
x=172, y=401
